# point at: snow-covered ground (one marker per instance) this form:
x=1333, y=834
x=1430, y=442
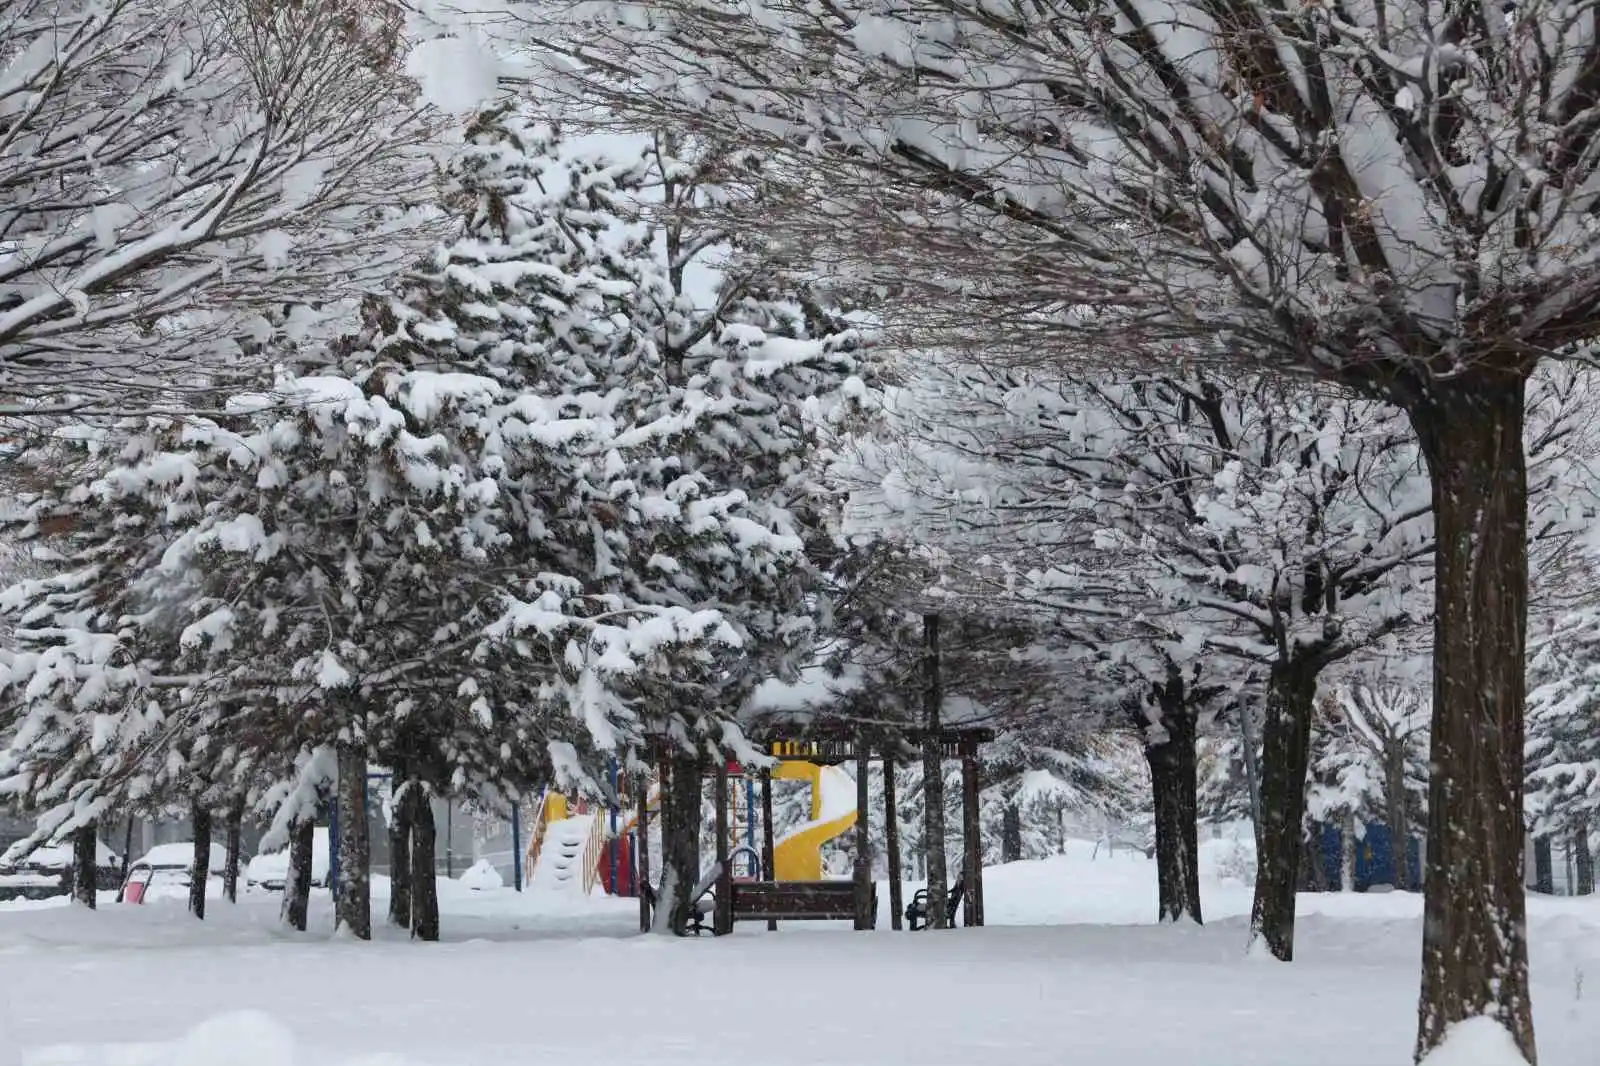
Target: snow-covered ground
x=538, y=979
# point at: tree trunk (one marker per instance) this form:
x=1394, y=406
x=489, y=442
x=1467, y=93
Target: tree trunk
x=933, y=829
x=866, y=912
x=641, y=868
x=1395, y=810
x=1173, y=786
x=297, y=884
x=1544, y=867
x=1347, y=855
x=1010, y=832
x=353, y=908
x=424, y=865
x=400, y=829
x=1474, y=946
x=891, y=842
x=1252, y=765
x=680, y=843
x=1583, y=858
x=235, y=846
x=200, y=865
x=127, y=857
x=85, y=850
x=1286, y=757
x=1313, y=874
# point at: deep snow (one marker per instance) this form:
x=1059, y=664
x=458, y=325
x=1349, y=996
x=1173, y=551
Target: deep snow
x=540, y=979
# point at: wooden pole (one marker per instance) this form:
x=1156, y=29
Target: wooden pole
x=933, y=833
x=978, y=836
x=769, y=871
x=891, y=841
x=971, y=839
x=641, y=880
x=865, y=918
x=722, y=917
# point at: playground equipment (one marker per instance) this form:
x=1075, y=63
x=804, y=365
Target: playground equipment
x=797, y=856
x=792, y=889
x=576, y=846
x=564, y=851
x=573, y=845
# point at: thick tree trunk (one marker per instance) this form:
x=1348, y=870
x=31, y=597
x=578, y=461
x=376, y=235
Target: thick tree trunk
x=1395, y=811
x=85, y=846
x=680, y=843
x=1010, y=832
x=400, y=828
x=1286, y=757
x=1583, y=858
x=234, y=843
x=353, y=908
x=424, y=865
x=200, y=865
x=1173, y=786
x=1544, y=867
x=1474, y=945
x=297, y=883
x=933, y=828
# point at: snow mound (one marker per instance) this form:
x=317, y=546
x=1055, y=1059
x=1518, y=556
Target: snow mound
x=242, y=1038
x=1476, y=1042
x=482, y=875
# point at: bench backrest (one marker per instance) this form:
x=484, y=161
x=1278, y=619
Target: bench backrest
x=794, y=900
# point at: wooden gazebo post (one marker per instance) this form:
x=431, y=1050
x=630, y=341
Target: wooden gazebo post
x=722, y=916
x=768, y=873
x=865, y=918
x=891, y=839
x=971, y=836
x=642, y=852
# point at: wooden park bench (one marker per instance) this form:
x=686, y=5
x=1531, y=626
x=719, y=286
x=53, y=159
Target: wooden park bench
x=772, y=901
x=796, y=901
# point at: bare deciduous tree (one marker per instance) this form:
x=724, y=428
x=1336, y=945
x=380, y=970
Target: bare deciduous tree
x=184, y=180
x=1397, y=196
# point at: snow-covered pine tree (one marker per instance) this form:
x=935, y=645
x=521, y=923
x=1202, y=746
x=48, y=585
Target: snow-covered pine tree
x=541, y=290
x=93, y=709
x=1371, y=761
x=627, y=522
x=351, y=551
x=743, y=379
x=1033, y=788
x=1563, y=756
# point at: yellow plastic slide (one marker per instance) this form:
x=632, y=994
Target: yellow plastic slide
x=798, y=856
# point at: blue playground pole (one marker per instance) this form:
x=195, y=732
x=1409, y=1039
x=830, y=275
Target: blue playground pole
x=612, y=886
x=750, y=822
x=516, y=845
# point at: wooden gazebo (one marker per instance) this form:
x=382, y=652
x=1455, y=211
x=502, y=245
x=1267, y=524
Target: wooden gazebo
x=833, y=743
